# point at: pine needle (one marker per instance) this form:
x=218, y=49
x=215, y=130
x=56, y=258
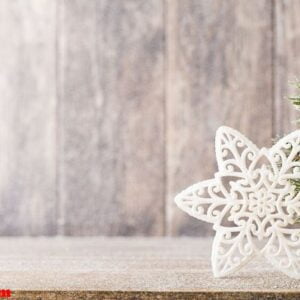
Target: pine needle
x=295, y=100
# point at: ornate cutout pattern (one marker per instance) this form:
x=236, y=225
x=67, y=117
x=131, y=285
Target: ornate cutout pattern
x=251, y=202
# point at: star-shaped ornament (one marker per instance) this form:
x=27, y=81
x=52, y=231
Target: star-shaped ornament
x=253, y=202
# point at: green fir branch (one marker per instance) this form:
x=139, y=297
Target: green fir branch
x=295, y=100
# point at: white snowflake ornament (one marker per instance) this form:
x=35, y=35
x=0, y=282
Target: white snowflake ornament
x=252, y=201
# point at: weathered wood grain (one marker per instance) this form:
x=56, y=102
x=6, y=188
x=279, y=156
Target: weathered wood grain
x=27, y=117
x=111, y=69
x=111, y=154
x=286, y=62
x=219, y=73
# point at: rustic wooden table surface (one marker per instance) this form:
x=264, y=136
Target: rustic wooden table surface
x=130, y=268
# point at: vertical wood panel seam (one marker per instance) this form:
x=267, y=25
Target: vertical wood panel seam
x=57, y=119
x=274, y=99
x=59, y=200
x=167, y=70
x=165, y=119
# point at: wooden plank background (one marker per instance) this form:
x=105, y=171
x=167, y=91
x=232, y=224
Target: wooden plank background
x=109, y=108
x=111, y=144
x=27, y=117
x=220, y=71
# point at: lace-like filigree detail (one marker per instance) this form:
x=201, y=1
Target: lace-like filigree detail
x=251, y=202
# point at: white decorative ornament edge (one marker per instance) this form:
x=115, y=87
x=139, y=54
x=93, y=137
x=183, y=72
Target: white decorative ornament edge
x=251, y=202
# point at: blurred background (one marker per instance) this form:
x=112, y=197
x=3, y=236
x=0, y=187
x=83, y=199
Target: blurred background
x=108, y=108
